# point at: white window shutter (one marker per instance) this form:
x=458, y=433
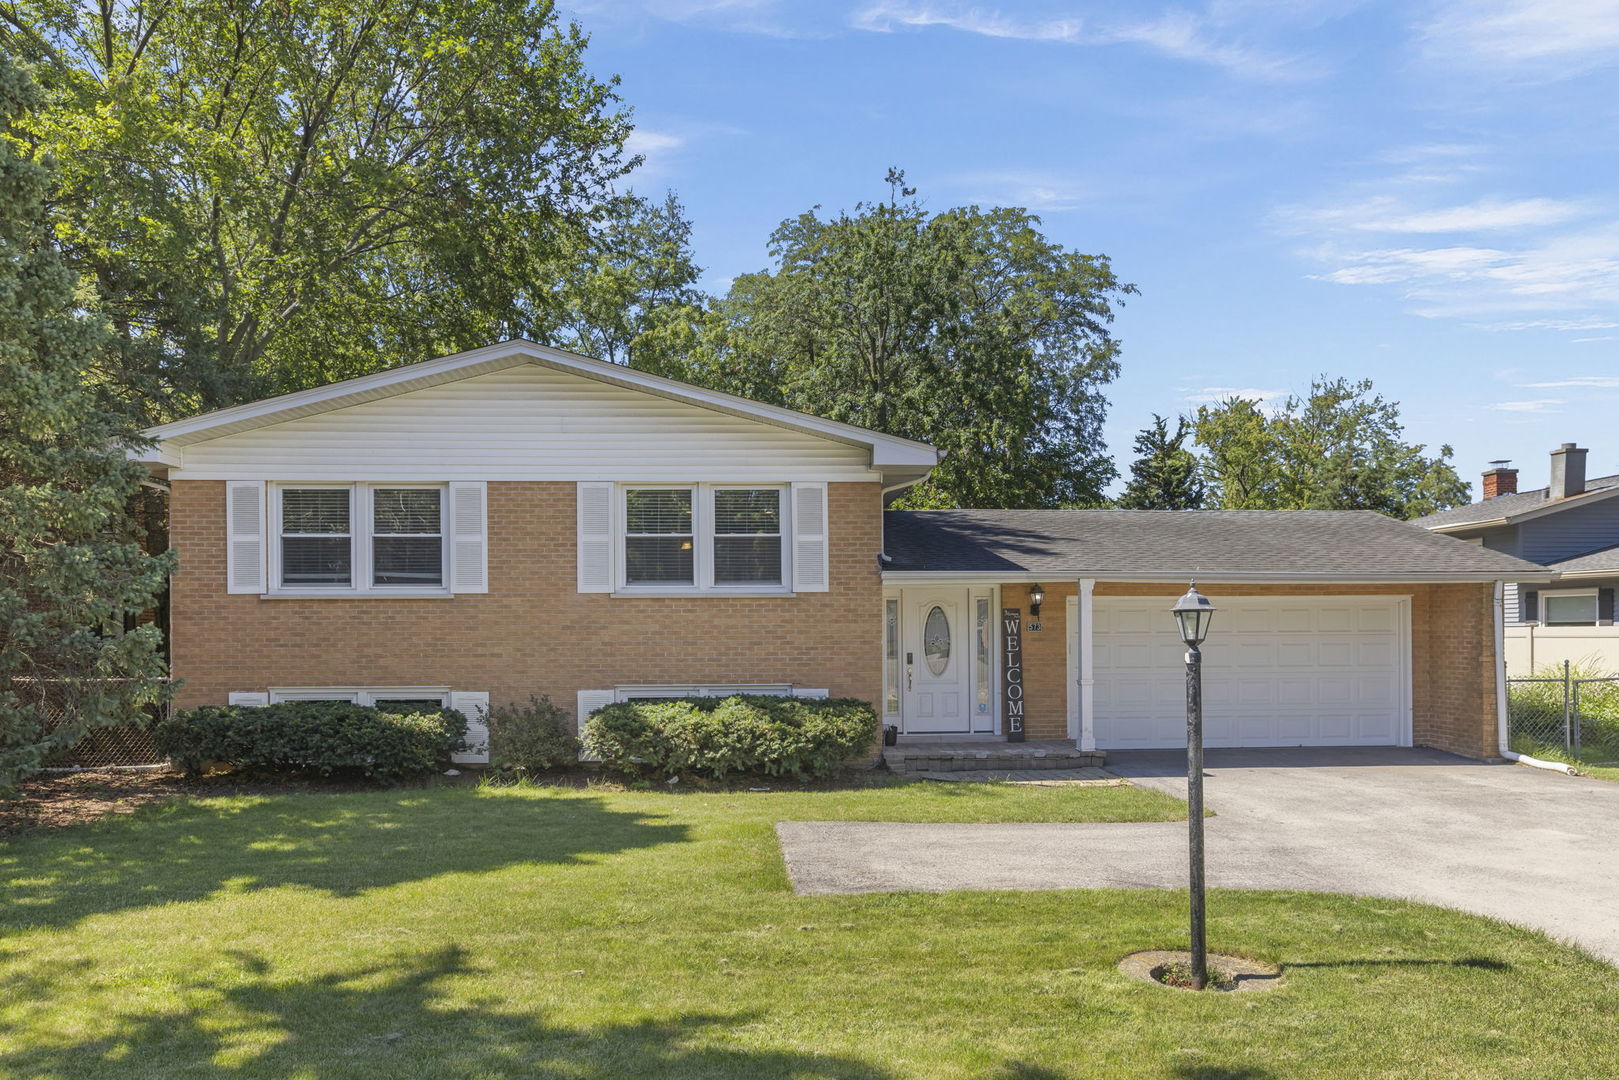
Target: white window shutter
x=595, y=528
x=810, y=570
x=469, y=537
x=590, y=701
x=249, y=699
x=474, y=705
x=244, y=537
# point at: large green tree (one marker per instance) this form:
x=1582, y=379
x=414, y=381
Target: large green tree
x=968, y=329
x=270, y=195
x=628, y=283
x=1166, y=475
x=1341, y=447
x=72, y=571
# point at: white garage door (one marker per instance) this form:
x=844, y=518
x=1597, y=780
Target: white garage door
x=1316, y=671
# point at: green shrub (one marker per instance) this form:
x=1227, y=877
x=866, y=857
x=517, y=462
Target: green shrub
x=716, y=738
x=316, y=736
x=533, y=737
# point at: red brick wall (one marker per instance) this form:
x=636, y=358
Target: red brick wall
x=1452, y=655
x=532, y=633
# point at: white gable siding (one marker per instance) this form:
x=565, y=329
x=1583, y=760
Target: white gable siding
x=525, y=423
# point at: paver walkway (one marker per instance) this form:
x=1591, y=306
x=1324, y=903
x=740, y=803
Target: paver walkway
x=1533, y=847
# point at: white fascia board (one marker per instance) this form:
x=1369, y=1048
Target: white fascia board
x=888, y=451
x=947, y=577
x=1572, y=575
x=1550, y=506
x=1464, y=526
x=156, y=457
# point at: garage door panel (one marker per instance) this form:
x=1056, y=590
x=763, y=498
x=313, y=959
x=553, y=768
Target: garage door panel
x=1256, y=655
x=1132, y=620
x=1295, y=654
x=1295, y=620
x=1335, y=654
x=1375, y=654
x=1278, y=673
x=1254, y=620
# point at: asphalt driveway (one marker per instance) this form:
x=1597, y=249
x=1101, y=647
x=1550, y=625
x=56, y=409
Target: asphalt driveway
x=1529, y=846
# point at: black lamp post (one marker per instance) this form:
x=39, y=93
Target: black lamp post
x=1194, y=613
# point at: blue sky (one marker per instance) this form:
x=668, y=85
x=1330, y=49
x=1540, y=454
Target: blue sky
x=1425, y=194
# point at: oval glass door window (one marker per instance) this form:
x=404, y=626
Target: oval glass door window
x=936, y=640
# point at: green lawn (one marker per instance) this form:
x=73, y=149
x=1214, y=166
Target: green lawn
x=501, y=933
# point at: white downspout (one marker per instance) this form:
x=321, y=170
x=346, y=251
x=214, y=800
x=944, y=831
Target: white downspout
x=1501, y=692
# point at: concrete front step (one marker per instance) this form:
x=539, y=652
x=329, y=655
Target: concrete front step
x=924, y=757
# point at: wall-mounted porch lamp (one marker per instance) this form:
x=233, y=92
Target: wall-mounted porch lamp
x=1037, y=596
x=1193, y=613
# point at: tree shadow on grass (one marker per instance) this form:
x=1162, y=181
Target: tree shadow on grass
x=1479, y=963
x=344, y=845
x=408, y=1016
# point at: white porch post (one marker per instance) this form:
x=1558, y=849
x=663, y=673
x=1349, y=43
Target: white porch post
x=1087, y=725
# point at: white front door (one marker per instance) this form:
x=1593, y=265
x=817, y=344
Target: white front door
x=936, y=660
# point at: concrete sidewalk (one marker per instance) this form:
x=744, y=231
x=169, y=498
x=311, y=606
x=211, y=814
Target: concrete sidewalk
x=1532, y=847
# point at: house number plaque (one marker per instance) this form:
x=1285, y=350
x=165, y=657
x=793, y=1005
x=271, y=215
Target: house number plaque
x=1012, y=672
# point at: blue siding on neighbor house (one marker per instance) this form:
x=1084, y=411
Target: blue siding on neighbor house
x=1562, y=535
x=1569, y=532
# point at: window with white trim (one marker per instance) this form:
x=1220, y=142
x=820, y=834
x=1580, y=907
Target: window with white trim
x=703, y=537
x=405, y=699
x=363, y=538
x=1572, y=607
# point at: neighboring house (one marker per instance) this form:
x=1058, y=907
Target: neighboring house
x=518, y=520
x=1571, y=527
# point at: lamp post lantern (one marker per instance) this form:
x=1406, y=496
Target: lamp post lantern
x=1193, y=612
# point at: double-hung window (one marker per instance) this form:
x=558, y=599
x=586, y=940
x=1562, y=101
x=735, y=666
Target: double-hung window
x=747, y=536
x=359, y=538
x=659, y=536
x=1569, y=608
x=703, y=537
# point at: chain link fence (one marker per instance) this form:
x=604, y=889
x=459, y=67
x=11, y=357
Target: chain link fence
x=121, y=745
x=1568, y=715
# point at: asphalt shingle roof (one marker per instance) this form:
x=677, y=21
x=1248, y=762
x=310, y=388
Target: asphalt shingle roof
x=1591, y=562
x=1503, y=506
x=1269, y=543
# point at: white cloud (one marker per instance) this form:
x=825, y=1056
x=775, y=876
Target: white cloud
x=887, y=15
x=1387, y=214
x=1180, y=35
x=737, y=16
x=1554, y=324
x=1544, y=405
x=1033, y=189
x=643, y=141
x=1555, y=37
x=1209, y=395
x=1585, y=382
x=1602, y=337
x=1184, y=36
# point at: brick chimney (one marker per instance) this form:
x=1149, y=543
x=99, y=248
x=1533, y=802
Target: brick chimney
x=1500, y=480
x=1568, y=472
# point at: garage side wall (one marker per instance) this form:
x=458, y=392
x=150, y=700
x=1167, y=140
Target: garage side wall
x=1452, y=654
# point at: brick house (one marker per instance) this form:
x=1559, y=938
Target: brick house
x=518, y=520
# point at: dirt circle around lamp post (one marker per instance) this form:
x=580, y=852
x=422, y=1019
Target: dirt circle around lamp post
x=1239, y=972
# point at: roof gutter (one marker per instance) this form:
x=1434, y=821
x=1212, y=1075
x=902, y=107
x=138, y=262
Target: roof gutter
x=997, y=577
x=1463, y=526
